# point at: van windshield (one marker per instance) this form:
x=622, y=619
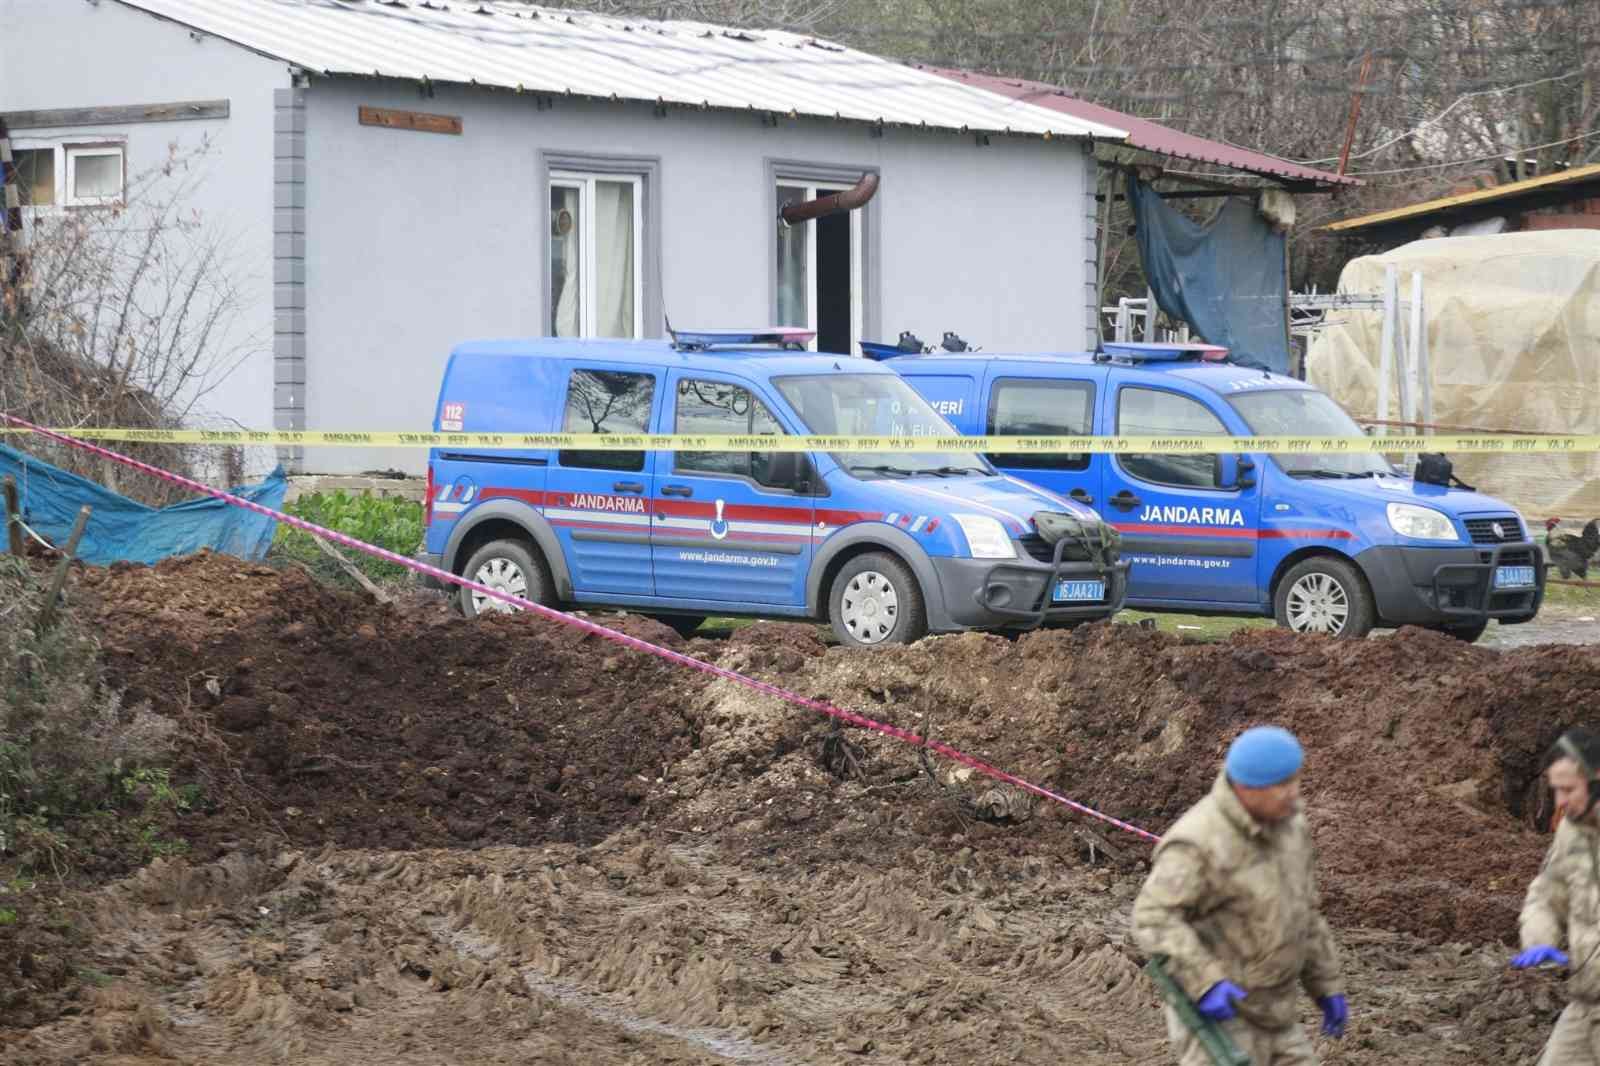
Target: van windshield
x=1307, y=413
x=870, y=405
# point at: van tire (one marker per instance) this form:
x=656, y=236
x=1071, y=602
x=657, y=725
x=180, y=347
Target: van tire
x=1325, y=594
x=512, y=565
x=869, y=590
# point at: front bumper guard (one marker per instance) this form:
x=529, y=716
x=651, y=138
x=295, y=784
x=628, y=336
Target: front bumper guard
x=1115, y=576
x=1481, y=585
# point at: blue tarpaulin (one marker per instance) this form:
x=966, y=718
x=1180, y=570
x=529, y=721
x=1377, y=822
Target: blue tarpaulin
x=121, y=529
x=1225, y=277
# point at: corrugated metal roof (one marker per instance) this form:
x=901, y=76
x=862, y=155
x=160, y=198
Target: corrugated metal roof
x=1144, y=134
x=519, y=46
x=1509, y=191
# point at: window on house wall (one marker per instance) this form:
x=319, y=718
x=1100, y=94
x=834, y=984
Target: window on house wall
x=70, y=175
x=819, y=276
x=35, y=171
x=94, y=176
x=595, y=279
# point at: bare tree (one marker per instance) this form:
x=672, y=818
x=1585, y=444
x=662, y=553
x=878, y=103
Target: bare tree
x=121, y=315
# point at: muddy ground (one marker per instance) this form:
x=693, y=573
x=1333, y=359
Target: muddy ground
x=428, y=840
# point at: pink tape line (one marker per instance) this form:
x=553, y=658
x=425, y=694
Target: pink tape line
x=598, y=630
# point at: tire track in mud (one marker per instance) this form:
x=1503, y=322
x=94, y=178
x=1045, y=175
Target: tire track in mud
x=845, y=965
x=639, y=953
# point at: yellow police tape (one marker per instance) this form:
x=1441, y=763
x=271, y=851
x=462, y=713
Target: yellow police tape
x=613, y=442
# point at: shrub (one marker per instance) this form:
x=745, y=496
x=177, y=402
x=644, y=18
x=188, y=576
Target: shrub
x=66, y=740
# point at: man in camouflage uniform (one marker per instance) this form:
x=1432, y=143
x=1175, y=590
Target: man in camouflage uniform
x=1563, y=903
x=1232, y=902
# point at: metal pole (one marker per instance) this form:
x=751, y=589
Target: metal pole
x=1419, y=341
x=1391, y=297
x=1149, y=315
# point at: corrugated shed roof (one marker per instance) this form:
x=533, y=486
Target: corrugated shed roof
x=1144, y=134
x=519, y=46
x=1510, y=191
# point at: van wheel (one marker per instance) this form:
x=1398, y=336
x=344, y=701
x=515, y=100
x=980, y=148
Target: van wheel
x=875, y=600
x=508, y=566
x=1325, y=595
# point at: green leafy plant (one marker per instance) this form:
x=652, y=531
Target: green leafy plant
x=390, y=522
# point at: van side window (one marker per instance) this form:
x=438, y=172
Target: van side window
x=716, y=407
x=1154, y=413
x=1034, y=407
x=607, y=401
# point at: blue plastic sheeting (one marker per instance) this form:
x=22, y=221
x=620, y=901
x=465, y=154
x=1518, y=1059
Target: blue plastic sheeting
x=124, y=530
x=1225, y=277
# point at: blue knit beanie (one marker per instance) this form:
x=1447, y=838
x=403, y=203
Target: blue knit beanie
x=1263, y=756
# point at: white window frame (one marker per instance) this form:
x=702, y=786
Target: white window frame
x=814, y=189
x=588, y=273
x=66, y=155
x=65, y=182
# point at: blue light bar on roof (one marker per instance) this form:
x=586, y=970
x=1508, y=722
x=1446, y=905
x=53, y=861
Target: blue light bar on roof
x=783, y=336
x=1170, y=352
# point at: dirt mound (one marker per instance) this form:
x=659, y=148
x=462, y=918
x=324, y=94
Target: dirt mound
x=1415, y=742
x=327, y=718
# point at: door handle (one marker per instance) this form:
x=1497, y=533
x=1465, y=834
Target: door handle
x=1125, y=501
x=676, y=490
x=627, y=486
x=1082, y=497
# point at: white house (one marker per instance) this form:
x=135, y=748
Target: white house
x=395, y=176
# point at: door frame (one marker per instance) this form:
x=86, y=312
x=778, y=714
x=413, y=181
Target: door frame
x=865, y=243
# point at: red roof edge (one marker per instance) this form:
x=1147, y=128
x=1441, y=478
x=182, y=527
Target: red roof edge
x=1142, y=133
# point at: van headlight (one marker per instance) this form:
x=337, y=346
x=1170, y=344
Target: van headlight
x=986, y=537
x=1421, y=523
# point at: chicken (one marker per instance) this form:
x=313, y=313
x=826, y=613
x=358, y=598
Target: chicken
x=1572, y=554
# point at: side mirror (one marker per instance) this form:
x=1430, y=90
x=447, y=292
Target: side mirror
x=790, y=470
x=1234, y=472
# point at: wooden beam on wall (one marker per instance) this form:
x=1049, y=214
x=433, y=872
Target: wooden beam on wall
x=420, y=121
x=180, y=111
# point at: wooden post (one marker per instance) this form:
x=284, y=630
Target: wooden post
x=13, y=518
x=47, y=613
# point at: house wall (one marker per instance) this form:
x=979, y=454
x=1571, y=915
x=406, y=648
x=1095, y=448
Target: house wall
x=416, y=241
x=73, y=54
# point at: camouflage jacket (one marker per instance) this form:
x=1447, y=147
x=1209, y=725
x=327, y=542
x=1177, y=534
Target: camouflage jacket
x=1229, y=898
x=1563, y=905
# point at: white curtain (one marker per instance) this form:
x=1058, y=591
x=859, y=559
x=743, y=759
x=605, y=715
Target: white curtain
x=564, y=263
x=614, y=252
x=791, y=264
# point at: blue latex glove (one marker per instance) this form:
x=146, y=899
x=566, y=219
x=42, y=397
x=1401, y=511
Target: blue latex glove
x=1335, y=1012
x=1217, y=1003
x=1538, y=955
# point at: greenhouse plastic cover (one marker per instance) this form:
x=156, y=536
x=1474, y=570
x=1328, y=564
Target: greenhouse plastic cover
x=1513, y=330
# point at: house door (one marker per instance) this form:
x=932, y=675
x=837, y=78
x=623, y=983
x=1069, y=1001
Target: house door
x=819, y=271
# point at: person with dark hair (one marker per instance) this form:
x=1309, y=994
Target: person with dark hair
x=1232, y=904
x=1563, y=903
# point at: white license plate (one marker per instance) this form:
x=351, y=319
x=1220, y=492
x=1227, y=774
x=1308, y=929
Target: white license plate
x=1514, y=577
x=1078, y=591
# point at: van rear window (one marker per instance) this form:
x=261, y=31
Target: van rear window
x=607, y=401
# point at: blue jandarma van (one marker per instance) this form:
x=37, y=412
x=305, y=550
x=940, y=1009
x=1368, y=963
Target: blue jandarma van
x=1331, y=543
x=884, y=546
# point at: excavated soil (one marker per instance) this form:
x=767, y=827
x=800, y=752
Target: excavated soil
x=431, y=840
